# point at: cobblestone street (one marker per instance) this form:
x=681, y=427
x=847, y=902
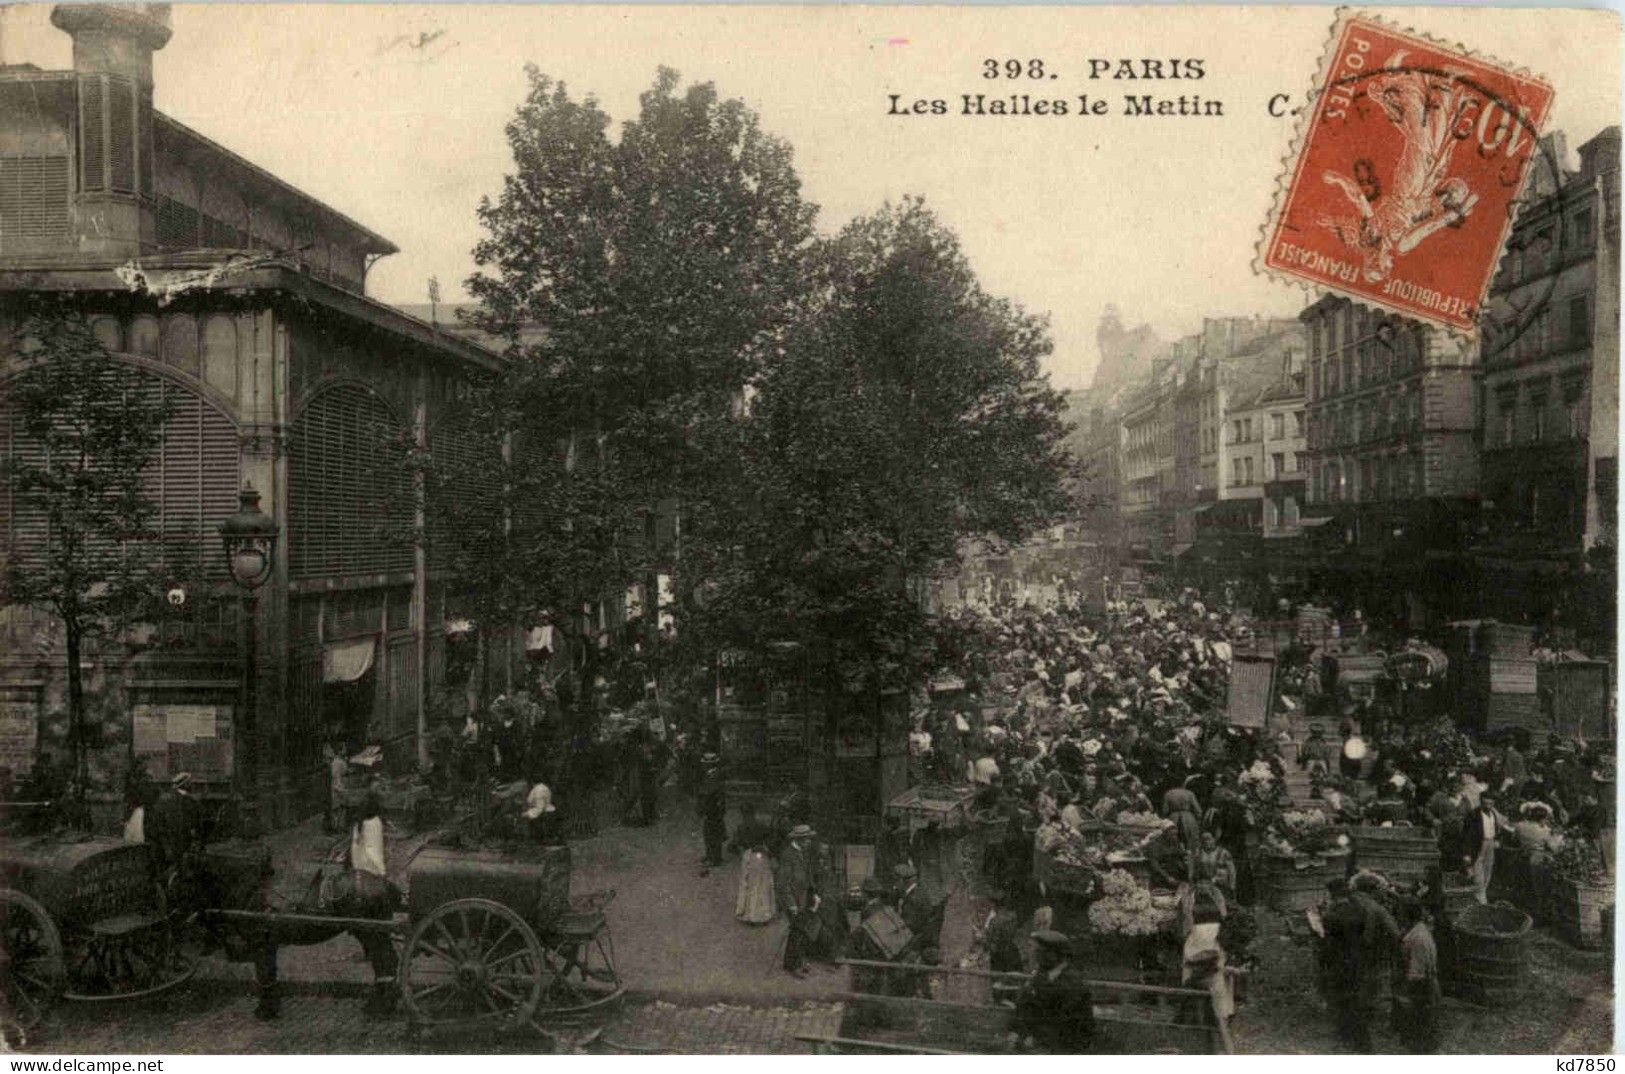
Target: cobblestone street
x=207, y=1019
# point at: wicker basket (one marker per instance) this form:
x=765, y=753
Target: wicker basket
x=1070, y=877
x=1492, y=950
x=1292, y=885
x=1400, y=854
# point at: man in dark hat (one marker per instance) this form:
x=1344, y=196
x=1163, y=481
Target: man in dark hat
x=1342, y=922
x=1055, y=1014
x=860, y=945
x=1379, y=948
x=713, y=804
x=1419, y=1003
x=798, y=886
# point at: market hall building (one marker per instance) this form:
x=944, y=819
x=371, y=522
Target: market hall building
x=245, y=300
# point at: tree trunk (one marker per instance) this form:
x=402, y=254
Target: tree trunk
x=76, y=709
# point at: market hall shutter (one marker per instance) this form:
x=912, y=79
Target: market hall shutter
x=93, y=133
x=192, y=480
x=33, y=198
x=345, y=486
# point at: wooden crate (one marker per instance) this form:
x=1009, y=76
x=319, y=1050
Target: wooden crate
x=1506, y=640
x=1505, y=676
x=1576, y=910
x=1514, y=710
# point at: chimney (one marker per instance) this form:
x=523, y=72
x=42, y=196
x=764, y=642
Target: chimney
x=112, y=56
x=114, y=39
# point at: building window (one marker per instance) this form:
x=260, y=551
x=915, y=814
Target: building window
x=1583, y=237
x=1235, y=471
x=1537, y=417
x=1574, y=417
x=1277, y=464
x=1349, y=383
x=1579, y=320
x=1297, y=424
x=1509, y=420
x=1248, y=461
x=1277, y=426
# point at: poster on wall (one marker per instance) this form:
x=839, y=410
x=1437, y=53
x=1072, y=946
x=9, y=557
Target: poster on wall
x=183, y=738
x=19, y=732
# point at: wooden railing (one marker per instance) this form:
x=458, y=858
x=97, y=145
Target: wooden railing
x=1157, y=1009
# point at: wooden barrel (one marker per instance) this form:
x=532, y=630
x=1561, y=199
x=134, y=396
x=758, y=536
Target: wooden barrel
x=1491, y=950
x=1400, y=854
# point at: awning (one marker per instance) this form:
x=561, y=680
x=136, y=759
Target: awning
x=1311, y=523
x=348, y=661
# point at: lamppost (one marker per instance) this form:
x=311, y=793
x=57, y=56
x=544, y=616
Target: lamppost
x=249, y=541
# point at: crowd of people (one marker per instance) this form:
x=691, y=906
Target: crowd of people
x=1067, y=720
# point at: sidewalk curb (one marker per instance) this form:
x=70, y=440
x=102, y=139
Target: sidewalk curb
x=245, y=986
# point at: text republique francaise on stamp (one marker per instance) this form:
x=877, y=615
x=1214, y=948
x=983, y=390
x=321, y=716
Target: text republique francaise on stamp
x=1405, y=178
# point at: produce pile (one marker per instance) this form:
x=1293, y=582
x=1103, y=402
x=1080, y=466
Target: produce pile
x=1097, y=846
x=1126, y=908
x=1303, y=831
x=1130, y=819
x=1578, y=860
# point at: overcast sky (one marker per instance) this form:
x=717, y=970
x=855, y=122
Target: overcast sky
x=1157, y=215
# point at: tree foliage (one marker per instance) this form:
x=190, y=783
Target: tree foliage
x=88, y=551
x=831, y=417
x=905, y=411
x=657, y=264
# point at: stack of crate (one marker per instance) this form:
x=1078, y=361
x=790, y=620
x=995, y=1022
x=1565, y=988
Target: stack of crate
x=1314, y=626
x=1462, y=679
x=1505, y=670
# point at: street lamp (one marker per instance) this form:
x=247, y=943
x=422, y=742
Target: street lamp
x=248, y=539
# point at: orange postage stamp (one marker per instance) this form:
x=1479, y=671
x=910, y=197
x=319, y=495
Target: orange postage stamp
x=1407, y=174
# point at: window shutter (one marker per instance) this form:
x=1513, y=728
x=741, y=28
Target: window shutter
x=93, y=133
x=145, y=145
x=33, y=198
x=121, y=134
x=342, y=487
x=192, y=480
x=177, y=225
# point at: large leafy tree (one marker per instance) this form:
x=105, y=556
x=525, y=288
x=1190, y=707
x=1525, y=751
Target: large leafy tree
x=905, y=411
x=636, y=284
x=84, y=546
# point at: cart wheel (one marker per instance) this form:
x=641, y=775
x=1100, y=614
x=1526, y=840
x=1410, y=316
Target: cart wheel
x=472, y=960
x=128, y=956
x=579, y=973
x=35, y=974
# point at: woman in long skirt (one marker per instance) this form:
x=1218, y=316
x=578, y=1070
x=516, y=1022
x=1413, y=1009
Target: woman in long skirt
x=756, y=903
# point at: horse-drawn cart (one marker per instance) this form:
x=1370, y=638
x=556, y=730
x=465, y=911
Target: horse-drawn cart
x=83, y=918
x=480, y=936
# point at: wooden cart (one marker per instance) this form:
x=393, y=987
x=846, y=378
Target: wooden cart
x=83, y=918
x=488, y=937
